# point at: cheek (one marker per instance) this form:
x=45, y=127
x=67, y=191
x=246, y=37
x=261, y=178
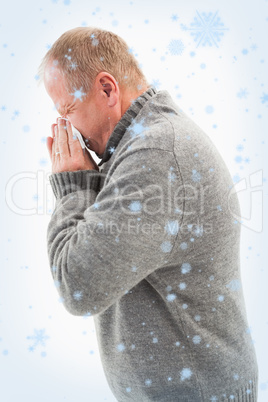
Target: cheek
x=76, y=119
x=81, y=122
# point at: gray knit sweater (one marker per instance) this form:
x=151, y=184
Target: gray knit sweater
x=149, y=246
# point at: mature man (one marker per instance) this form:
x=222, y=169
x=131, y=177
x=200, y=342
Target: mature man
x=147, y=241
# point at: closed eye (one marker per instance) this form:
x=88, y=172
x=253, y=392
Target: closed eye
x=65, y=111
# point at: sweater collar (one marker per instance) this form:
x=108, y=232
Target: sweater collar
x=124, y=122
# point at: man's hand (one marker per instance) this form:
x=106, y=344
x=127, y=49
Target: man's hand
x=70, y=156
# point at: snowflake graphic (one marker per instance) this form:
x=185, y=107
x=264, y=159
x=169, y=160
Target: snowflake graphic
x=234, y=285
x=94, y=41
x=166, y=246
x=236, y=178
x=198, y=231
x=172, y=227
x=176, y=47
x=170, y=297
x=130, y=50
x=185, y=268
x=240, y=147
x=111, y=150
x=135, y=206
x=39, y=338
x=156, y=83
x=196, y=339
x=196, y=176
x=207, y=28
x=43, y=161
x=78, y=94
x=243, y=93
x=185, y=373
x=148, y=382
x=171, y=175
x=78, y=295
x=137, y=129
x=174, y=17
x=264, y=98
x=121, y=347
x=73, y=65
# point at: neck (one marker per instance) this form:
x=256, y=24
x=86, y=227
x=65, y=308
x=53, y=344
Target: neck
x=126, y=101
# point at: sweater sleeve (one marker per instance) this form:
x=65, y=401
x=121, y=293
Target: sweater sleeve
x=103, y=243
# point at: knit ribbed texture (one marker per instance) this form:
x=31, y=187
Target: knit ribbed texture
x=64, y=183
x=248, y=393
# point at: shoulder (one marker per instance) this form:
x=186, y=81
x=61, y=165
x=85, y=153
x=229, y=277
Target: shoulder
x=152, y=128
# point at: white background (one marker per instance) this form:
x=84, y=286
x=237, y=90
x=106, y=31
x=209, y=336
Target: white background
x=223, y=87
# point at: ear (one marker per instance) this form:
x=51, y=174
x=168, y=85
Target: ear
x=107, y=89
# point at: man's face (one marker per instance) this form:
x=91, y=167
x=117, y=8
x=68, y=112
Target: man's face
x=81, y=110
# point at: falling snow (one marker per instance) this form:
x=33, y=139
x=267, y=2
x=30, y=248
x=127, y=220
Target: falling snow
x=174, y=17
x=121, y=347
x=185, y=268
x=242, y=94
x=77, y=295
x=207, y=29
x=185, y=374
x=183, y=246
x=135, y=206
x=171, y=297
x=148, y=382
x=166, y=246
x=196, y=339
x=196, y=177
x=137, y=129
x=264, y=99
x=176, y=47
x=172, y=227
x=78, y=94
x=234, y=285
x=39, y=338
x=111, y=150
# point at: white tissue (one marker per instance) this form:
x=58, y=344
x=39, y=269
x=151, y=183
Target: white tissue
x=78, y=135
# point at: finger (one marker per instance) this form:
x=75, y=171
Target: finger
x=51, y=142
x=62, y=141
x=55, y=144
x=53, y=129
x=49, y=146
x=74, y=143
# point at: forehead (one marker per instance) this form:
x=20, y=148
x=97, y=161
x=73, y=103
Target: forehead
x=53, y=77
x=55, y=88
